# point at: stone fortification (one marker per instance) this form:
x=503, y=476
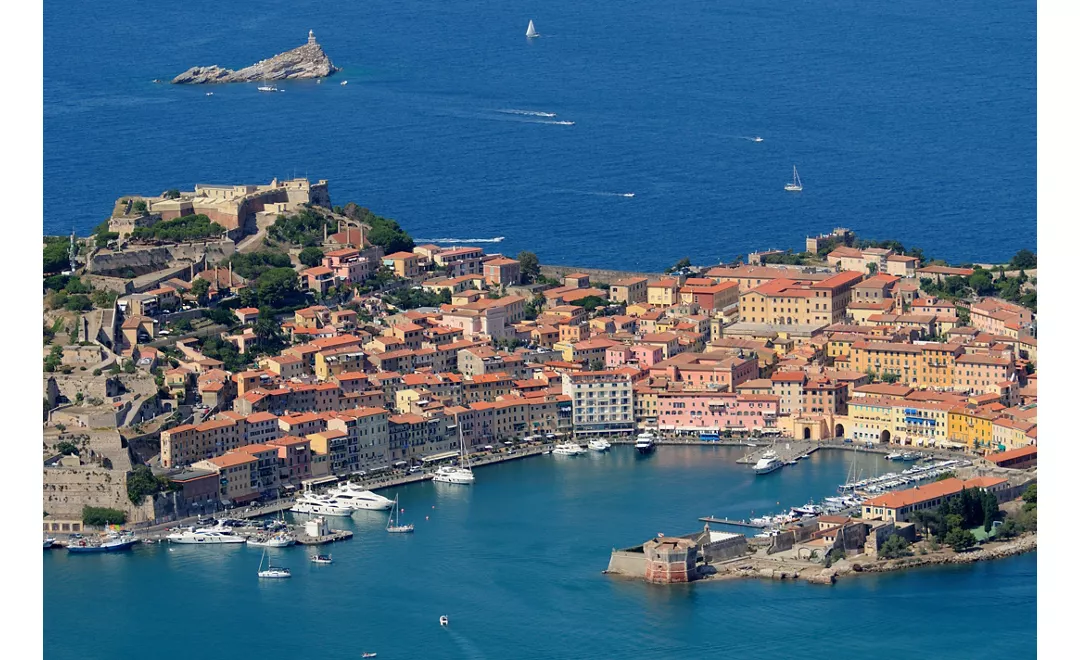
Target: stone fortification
x=307, y=61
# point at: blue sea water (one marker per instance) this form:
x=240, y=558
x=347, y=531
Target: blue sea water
x=912, y=120
x=515, y=561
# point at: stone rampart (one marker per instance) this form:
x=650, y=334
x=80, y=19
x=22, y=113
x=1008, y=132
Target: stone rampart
x=595, y=274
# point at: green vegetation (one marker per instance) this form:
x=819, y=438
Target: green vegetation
x=981, y=283
x=894, y=547
x=534, y=307
x=530, y=266
x=55, y=254
x=172, y=193
x=413, y=298
x=222, y=316
x=219, y=349
x=384, y=232
x=311, y=256
x=789, y=258
x=200, y=288
x=679, y=265
x=96, y=516
x=129, y=366
x=305, y=228
x=590, y=303
x=253, y=264
x=142, y=482
x=596, y=364
x=56, y=356
x=1023, y=260
x=184, y=228
x=102, y=235
x=67, y=448
x=139, y=206
x=959, y=539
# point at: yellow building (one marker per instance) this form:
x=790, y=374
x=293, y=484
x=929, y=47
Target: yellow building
x=921, y=423
x=971, y=428
x=663, y=293
x=872, y=419
x=927, y=364
x=799, y=302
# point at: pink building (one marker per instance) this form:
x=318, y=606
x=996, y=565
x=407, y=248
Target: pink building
x=707, y=370
x=715, y=411
x=617, y=356
x=348, y=264
x=646, y=355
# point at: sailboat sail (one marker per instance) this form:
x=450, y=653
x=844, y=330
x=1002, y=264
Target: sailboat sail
x=795, y=184
x=531, y=32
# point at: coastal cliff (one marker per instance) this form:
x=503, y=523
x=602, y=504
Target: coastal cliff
x=307, y=61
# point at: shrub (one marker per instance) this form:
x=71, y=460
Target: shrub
x=99, y=516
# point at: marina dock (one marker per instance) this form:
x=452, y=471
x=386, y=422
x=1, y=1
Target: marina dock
x=334, y=536
x=786, y=450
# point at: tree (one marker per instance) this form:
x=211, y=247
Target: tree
x=990, y=510
x=982, y=282
x=311, y=256
x=67, y=448
x=78, y=303
x=1023, y=259
x=55, y=358
x=200, y=288
x=267, y=330
x=55, y=254
x=679, y=265
x=960, y=539
x=596, y=364
x=139, y=207
x=172, y=193
x=530, y=266
x=276, y=286
x=1031, y=497
x=895, y=546
x=872, y=269
x=129, y=367
x=1008, y=529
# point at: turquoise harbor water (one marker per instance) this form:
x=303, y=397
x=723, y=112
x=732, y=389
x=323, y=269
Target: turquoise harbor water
x=515, y=562
x=912, y=120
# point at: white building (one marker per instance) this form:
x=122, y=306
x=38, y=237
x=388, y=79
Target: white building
x=603, y=402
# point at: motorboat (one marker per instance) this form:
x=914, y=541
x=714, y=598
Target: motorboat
x=451, y=474
x=809, y=509
x=209, y=93
x=276, y=541
x=113, y=541
x=768, y=463
x=268, y=88
x=645, y=443
x=344, y=82
x=48, y=543
x=444, y=620
x=599, y=445
x=369, y=655
x=321, y=505
x=271, y=571
x=393, y=524
x=894, y=456
x=217, y=535
x=567, y=449
x=360, y=498
x=454, y=474
x=757, y=139
x=322, y=559
x=909, y=456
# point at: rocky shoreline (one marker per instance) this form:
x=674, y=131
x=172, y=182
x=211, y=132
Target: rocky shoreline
x=307, y=61
x=814, y=574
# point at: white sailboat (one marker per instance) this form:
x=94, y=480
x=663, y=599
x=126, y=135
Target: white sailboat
x=271, y=571
x=796, y=184
x=393, y=525
x=531, y=32
x=459, y=474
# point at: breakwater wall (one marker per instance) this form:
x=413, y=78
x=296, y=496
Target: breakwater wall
x=596, y=274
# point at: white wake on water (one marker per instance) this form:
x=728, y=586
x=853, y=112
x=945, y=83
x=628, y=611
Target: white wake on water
x=497, y=239
x=527, y=113
x=596, y=193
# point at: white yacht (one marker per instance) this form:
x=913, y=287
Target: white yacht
x=452, y=474
x=567, y=449
x=645, y=443
x=894, y=456
x=599, y=445
x=48, y=543
x=206, y=536
x=321, y=505
x=768, y=463
x=359, y=498
x=268, y=88
x=344, y=82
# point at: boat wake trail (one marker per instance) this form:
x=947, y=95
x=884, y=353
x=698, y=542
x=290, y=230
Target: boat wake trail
x=467, y=646
x=527, y=113
x=497, y=239
x=554, y=123
x=595, y=193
